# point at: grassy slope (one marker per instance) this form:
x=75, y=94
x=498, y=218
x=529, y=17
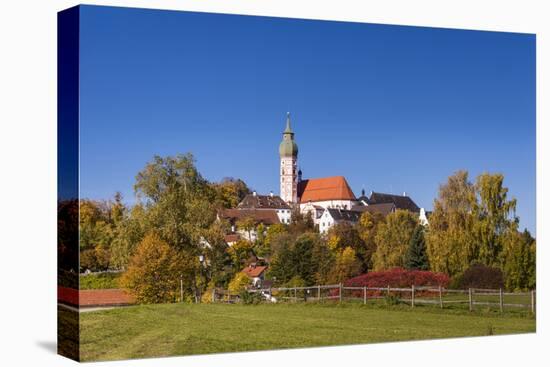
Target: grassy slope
x=180, y=329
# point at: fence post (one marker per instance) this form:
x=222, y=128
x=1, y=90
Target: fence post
x=340, y=293
x=295, y=295
x=318, y=293
x=501, y=300
x=440, y=297
x=532, y=301
x=181, y=288
x=388, y=290
x=412, y=295
x=470, y=299
x=364, y=295
x=214, y=295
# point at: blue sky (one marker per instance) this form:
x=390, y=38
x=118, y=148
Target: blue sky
x=391, y=108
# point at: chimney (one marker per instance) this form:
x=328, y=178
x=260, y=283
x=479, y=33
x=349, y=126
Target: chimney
x=233, y=228
x=254, y=193
x=271, y=193
x=404, y=193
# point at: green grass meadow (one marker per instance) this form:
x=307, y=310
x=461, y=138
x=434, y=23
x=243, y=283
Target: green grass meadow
x=184, y=329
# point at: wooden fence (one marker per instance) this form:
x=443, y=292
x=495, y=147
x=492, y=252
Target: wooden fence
x=415, y=295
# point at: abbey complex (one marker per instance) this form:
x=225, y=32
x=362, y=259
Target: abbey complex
x=328, y=200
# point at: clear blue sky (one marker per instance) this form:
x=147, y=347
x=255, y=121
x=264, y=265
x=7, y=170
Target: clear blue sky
x=391, y=108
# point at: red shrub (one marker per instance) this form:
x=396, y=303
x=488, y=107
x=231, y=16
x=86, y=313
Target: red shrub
x=399, y=278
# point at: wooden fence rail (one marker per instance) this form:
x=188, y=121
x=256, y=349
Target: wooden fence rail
x=413, y=295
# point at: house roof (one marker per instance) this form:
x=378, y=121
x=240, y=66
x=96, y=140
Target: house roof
x=254, y=271
x=384, y=208
x=400, y=201
x=231, y=237
x=344, y=215
x=265, y=216
x=252, y=201
x=324, y=189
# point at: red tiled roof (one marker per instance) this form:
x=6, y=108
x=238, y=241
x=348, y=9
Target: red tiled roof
x=326, y=188
x=94, y=297
x=254, y=271
x=233, y=237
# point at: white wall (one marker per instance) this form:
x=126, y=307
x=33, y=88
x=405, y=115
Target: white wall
x=284, y=215
x=339, y=204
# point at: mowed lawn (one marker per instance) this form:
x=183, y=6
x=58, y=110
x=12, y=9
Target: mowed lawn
x=183, y=329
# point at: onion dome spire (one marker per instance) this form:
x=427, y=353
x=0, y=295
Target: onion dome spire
x=288, y=147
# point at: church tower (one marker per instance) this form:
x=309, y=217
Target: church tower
x=288, y=151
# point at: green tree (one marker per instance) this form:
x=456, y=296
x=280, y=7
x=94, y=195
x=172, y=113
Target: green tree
x=130, y=231
x=154, y=272
x=177, y=201
x=324, y=261
x=281, y=267
x=417, y=258
x=303, y=263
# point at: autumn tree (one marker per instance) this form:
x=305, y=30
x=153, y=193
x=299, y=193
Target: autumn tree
x=393, y=238
x=240, y=252
x=417, y=258
x=230, y=192
x=494, y=218
x=519, y=259
x=154, y=272
x=239, y=282
x=367, y=227
x=450, y=242
x=346, y=266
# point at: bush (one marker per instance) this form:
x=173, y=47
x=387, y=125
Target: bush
x=399, y=278
x=395, y=278
x=100, y=281
x=250, y=298
x=480, y=276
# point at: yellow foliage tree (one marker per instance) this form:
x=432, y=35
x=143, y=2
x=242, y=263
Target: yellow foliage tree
x=239, y=282
x=154, y=272
x=346, y=266
x=393, y=238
